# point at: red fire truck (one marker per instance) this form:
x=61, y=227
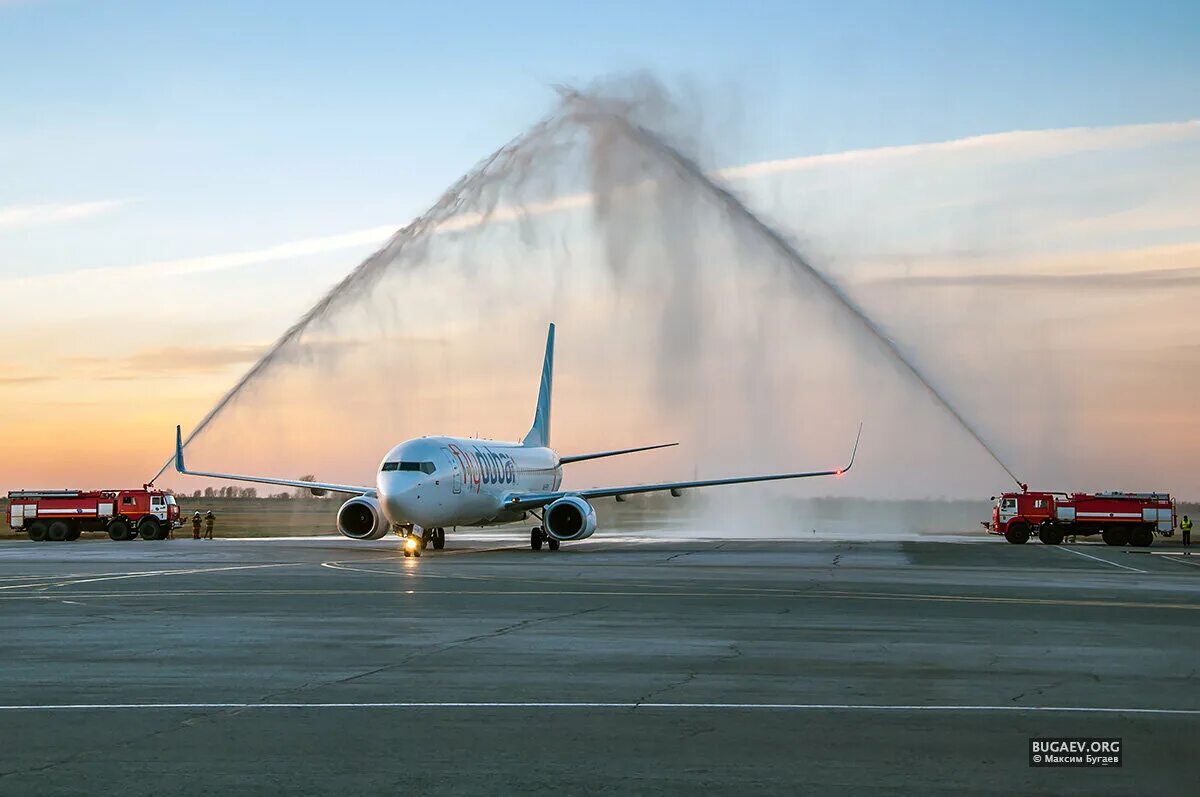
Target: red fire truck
x=60, y=515
x=1120, y=518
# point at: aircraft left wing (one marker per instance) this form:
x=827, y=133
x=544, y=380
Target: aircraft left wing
x=522, y=501
x=333, y=488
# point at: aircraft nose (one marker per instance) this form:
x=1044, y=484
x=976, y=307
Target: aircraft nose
x=397, y=497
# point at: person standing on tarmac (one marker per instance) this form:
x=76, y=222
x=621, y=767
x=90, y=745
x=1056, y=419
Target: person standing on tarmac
x=196, y=526
x=209, y=519
x=1186, y=527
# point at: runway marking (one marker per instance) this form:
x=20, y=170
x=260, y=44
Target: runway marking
x=606, y=705
x=819, y=594
x=69, y=582
x=1180, y=560
x=1097, y=558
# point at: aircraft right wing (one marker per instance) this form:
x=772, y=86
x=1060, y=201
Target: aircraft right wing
x=522, y=501
x=333, y=488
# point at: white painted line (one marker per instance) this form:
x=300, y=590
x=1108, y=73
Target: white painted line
x=52, y=582
x=1097, y=558
x=1182, y=561
x=605, y=705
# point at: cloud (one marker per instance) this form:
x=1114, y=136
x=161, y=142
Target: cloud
x=167, y=360
x=1014, y=145
x=1154, y=267
x=7, y=381
x=36, y=215
x=1153, y=279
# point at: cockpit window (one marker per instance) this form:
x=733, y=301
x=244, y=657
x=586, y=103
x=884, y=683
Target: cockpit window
x=423, y=467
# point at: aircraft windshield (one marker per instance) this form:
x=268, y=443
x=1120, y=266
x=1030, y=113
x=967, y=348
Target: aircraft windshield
x=423, y=467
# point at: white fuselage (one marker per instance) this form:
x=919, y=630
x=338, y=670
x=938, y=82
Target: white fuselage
x=439, y=482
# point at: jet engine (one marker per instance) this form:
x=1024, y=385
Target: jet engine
x=570, y=518
x=362, y=518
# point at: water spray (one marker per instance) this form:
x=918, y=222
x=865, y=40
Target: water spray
x=687, y=168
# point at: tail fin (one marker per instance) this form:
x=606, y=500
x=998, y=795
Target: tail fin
x=539, y=433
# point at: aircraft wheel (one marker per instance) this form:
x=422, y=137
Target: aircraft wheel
x=553, y=543
x=535, y=538
x=439, y=539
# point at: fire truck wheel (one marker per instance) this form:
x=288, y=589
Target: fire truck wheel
x=58, y=531
x=1049, y=535
x=119, y=530
x=1115, y=536
x=1142, y=538
x=74, y=534
x=1017, y=534
x=148, y=529
x=37, y=531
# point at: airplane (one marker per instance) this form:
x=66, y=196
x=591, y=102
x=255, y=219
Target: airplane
x=428, y=484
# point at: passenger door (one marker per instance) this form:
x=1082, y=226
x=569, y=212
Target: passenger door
x=456, y=475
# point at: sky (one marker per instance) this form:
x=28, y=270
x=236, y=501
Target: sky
x=181, y=181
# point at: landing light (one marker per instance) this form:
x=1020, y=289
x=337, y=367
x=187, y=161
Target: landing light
x=410, y=543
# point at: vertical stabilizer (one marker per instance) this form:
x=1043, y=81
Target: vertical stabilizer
x=539, y=433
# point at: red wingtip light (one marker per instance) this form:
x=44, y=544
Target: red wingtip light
x=838, y=472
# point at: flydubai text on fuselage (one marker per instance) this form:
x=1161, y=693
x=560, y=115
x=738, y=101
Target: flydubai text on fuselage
x=428, y=484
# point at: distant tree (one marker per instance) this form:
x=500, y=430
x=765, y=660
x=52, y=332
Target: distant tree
x=249, y=492
x=209, y=492
x=314, y=491
x=197, y=494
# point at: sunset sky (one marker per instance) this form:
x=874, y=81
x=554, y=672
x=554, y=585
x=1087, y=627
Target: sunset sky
x=1012, y=189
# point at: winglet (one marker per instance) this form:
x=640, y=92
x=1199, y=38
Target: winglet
x=179, y=466
x=539, y=433
x=853, y=453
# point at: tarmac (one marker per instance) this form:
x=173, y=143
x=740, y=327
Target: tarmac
x=625, y=664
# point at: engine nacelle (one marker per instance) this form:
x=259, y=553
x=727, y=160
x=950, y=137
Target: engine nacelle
x=362, y=518
x=570, y=518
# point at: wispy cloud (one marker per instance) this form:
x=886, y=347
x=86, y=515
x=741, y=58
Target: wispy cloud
x=165, y=360
x=1013, y=146
x=28, y=379
x=36, y=215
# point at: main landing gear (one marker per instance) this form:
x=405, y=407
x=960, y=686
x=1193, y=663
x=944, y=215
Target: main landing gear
x=537, y=535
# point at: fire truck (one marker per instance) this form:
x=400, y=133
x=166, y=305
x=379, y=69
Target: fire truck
x=61, y=515
x=1119, y=518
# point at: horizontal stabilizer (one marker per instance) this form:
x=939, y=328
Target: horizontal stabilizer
x=617, y=452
